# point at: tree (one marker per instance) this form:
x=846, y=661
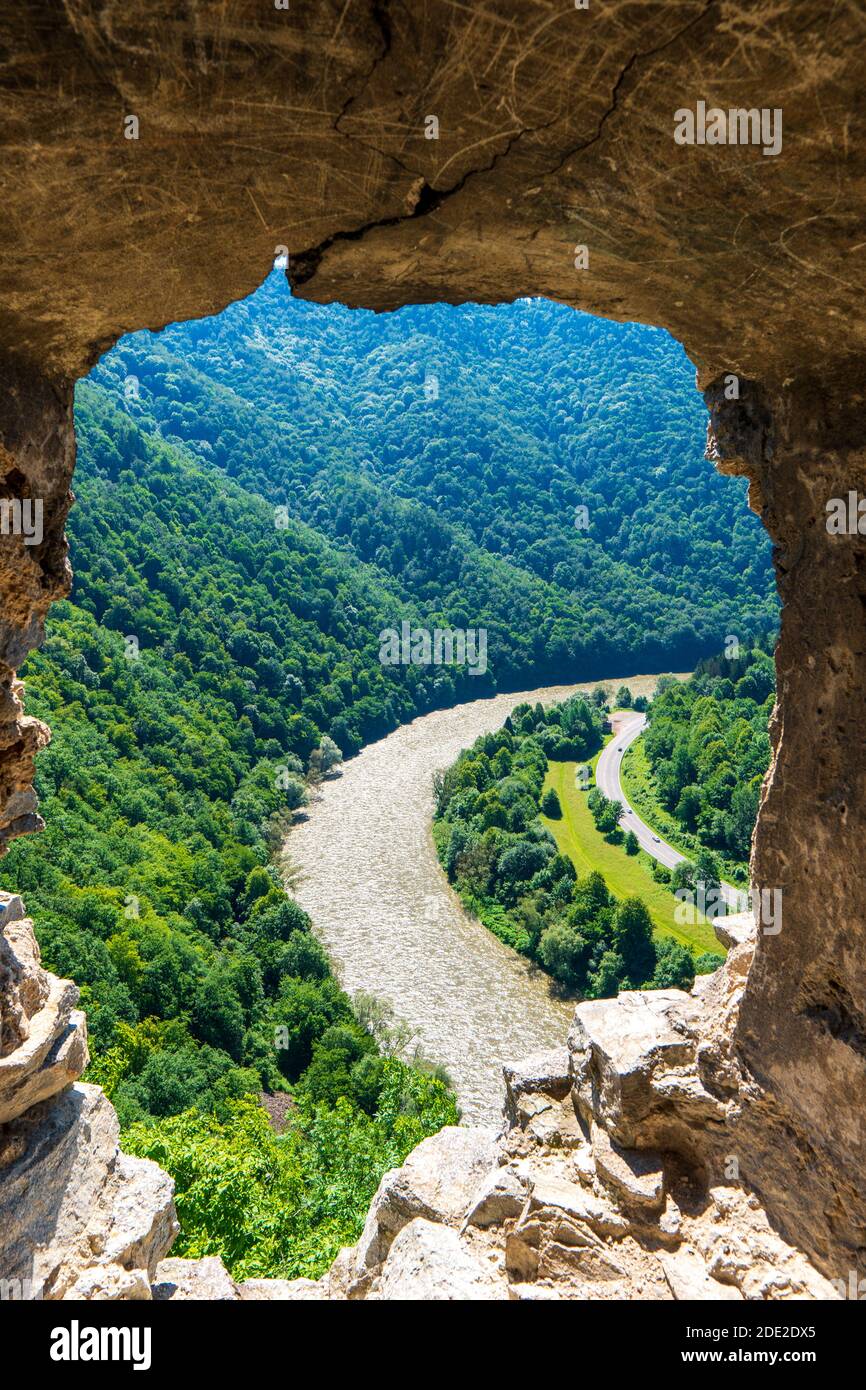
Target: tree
x=550, y=805
x=610, y=817
x=707, y=962
x=562, y=951
x=330, y=754
x=623, y=698
x=474, y=867
x=633, y=940
x=675, y=968
x=304, y=957
x=689, y=806
x=605, y=980
x=518, y=864
x=218, y=1017
x=631, y=845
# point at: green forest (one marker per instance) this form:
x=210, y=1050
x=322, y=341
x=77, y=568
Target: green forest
x=258, y=496
x=522, y=468
x=188, y=684
x=705, y=752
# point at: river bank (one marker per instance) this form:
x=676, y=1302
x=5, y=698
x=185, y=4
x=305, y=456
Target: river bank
x=371, y=881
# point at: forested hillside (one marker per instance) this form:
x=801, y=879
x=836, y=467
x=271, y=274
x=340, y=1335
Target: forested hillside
x=258, y=496
x=429, y=441
x=189, y=685
x=707, y=749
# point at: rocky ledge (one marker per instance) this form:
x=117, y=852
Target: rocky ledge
x=615, y=1176
x=78, y=1218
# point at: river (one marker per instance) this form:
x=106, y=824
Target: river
x=371, y=881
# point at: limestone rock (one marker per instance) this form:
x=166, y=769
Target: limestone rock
x=70, y=1202
x=636, y=1179
x=284, y=1290
x=557, y=1126
x=737, y=929
x=501, y=1193
x=181, y=1281
x=348, y=1278
x=740, y=1247
x=11, y=909
x=564, y=1260
x=616, y=1046
x=560, y=1236
x=553, y=1196
x=428, y=1263
x=690, y=1281
x=544, y=1073
x=43, y=1038
x=110, y=1284
x=437, y=1181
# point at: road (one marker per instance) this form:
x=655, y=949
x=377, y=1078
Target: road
x=607, y=779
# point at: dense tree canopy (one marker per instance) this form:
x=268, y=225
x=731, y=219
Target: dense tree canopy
x=523, y=467
x=189, y=683
x=708, y=747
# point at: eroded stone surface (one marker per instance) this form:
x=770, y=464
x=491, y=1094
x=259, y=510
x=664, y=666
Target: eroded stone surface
x=71, y=1203
x=180, y=1281
x=284, y=1290
x=597, y=1220
x=437, y=1181
x=43, y=1037
x=428, y=1263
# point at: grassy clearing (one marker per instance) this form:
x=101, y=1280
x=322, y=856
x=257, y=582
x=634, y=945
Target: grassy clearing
x=625, y=875
x=639, y=786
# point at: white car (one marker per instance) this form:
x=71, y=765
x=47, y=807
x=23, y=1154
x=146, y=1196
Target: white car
x=656, y=840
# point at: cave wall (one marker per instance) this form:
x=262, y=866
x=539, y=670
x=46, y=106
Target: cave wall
x=260, y=127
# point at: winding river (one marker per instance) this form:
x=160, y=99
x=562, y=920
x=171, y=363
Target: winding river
x=392, y=925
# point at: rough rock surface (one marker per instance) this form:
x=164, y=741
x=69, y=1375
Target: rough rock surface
x=179, y=1280
x=43, y=1038
x=78, y=1219
x=429, y=1263
x=437, y=1181
x=208, y=1280
x=671, y=1217
x=74, y=1211
x=303, y=128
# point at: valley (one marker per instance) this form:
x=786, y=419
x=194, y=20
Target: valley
x=373, y=886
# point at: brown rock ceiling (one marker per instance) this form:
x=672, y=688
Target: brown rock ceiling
x=304, y=127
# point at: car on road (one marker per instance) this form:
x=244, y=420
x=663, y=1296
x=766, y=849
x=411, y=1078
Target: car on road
x=656, y=840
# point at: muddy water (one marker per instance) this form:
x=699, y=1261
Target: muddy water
x=380, y=903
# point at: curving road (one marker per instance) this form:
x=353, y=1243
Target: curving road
x=607, y=779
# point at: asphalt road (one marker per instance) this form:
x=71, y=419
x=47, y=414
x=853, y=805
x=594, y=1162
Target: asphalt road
x=607, y=779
